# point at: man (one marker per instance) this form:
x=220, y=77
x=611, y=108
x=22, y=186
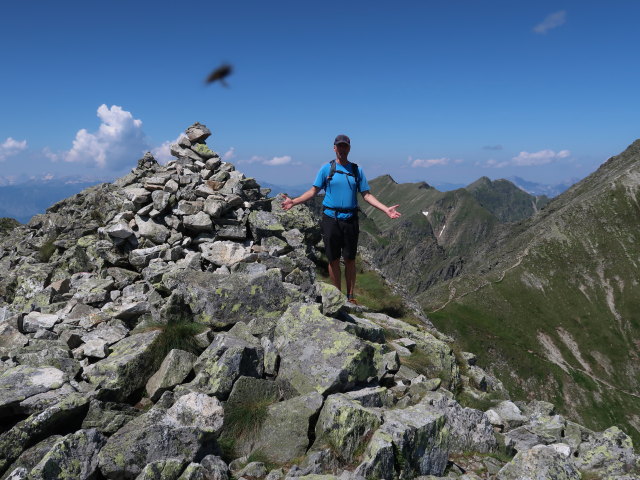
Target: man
x=339, y=223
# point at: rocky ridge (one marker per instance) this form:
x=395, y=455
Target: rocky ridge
x=170, y=326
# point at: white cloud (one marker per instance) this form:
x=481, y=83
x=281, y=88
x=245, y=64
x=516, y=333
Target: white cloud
x=553, y=20
x=46, y=152
x=495, y=164
x=118, y=142
x=273, y=162
x=526, y=159
x=426, y=163
x=529, y=159
x=278, y=161
x=163, y=153
x=11, y=147
x=229, y=154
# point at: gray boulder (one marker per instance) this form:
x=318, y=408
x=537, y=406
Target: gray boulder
x=344, y=425
x=223, y=362
x=469, y=429
x=316, y=354
x=538, y=463
x=415, y=438
x=35, y=321
x=197, y=133
x=128, y=367
x=219, y=300
x=264, y=224
x=168, y=469
x=284, y=435
x=332, y=298
x=185, y=431
x=200, y=222
x=73, y=456
x=54, y=419
x=152, y=230
x=174, y=369
x=225, y=253
x=21, y=382
x=609, y=452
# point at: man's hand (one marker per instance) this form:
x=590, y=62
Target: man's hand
x=287, y=203
x=392, y=212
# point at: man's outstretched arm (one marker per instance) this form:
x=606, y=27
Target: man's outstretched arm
x=373, y=201
x=289, y=203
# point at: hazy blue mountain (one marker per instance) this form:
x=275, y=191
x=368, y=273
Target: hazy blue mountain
x=540, y=188
x=24, y=200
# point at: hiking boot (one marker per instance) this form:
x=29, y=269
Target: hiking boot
x=352, y=300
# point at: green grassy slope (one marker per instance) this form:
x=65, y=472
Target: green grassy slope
x=505, y=200
x=557, y=311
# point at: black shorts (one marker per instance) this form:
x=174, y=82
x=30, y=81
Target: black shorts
x=340, y=237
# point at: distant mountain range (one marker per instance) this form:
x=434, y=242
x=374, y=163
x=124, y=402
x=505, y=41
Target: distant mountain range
x=26, y=198
x=532, y=188
x=546, y=292
x=23, y=197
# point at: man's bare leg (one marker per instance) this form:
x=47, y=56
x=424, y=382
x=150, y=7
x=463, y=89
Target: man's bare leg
x=334, y=273
x=350, y=275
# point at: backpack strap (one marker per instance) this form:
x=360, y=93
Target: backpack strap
x=332, y=172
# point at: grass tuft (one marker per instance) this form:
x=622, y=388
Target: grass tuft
x=179, y=335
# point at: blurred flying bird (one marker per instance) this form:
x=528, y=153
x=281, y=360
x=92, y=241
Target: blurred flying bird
x=220, y=73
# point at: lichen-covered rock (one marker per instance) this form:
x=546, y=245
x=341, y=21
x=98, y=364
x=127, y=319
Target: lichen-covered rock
x=168, y=469
x=264, y=224
x=223, y=362
x=128, y=367
x=284, y=435
x=542, y=430
x=609, y=452
x=185, y=431
x=54, y=419
x=469, y=429
x=332, y=298
x=210, y=467
x=200, y=222
x=316, y=354
x=365, y=329
x=21, y=382
x=539, y=463
x=510, y=415
x=34, y=321
x=30, y=458
x=10, y=336
x=48, y=354
x=204, y=151
x=174, y=369
x=73, y=456
x=345, y=425
x=299, y=217
x=108, y=417
x=414, y=438
x=152, y=230
x=219, y=300
x=441, y=361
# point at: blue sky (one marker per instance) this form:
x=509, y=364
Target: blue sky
x=440, y=91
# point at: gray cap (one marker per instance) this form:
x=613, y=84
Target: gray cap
x=342, y=139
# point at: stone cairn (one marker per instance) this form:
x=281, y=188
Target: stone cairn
x=170, y=326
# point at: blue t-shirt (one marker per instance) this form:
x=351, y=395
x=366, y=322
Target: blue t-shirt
x=342, y=189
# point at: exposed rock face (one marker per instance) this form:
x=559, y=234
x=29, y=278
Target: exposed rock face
x=170, y=326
